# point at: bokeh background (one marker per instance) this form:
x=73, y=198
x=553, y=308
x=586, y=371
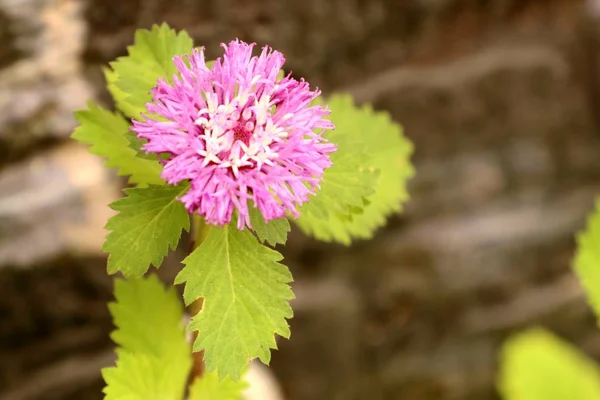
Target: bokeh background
x=501, y=99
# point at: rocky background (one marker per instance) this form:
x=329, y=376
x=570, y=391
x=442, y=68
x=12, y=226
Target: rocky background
x=501, y=99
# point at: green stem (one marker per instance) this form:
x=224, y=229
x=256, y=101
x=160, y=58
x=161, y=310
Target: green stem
x=200, y=231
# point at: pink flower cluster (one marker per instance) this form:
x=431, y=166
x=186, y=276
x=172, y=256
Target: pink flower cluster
x=238, y=134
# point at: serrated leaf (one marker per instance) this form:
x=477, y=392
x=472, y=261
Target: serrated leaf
x=149, y=221
x=391, y=157
x=273, y=232
x=385, y=150
x=106, y=133
x=153, y=355
x=149, y=58
x=120, y=100
x=119, y=96
x=246, y=299
x=136, y=144
x=587, y=259
x=536, y=365
x=347, y=183
x=210, y=387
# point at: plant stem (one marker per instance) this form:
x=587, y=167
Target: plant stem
x=200, y=231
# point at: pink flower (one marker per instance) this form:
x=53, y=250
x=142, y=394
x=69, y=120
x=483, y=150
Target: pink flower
x=238, y=134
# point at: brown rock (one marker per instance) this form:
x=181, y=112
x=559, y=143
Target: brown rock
x=40, y=91
x=53, y=204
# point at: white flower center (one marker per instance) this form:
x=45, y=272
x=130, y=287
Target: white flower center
x=240, y=132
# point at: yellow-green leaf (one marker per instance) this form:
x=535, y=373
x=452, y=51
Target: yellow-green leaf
x=246, y=299
x=536, y=365
x=154, y=357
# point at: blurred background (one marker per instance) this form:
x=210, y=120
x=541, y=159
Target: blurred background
x=501, y=99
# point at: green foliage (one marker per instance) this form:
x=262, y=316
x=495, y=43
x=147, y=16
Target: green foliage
x=367, y=181
x=119, y=96
x=106, y=132
x=587, y=259
x=246, y=293
x=149, y=221
x=274, y=232
x=391, y=153
x=150, y=58
x=244, y=286
x=536, y=365
x=153, y=355
x=210, y=387
x=345, y=186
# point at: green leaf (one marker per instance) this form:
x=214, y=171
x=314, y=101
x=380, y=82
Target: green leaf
x=210, y=387
x=120, y=100
x=136, y=144
x=119, y=96
x=149, y=221
x=274, y=232
x=384, y=149
x=536, y=365
x=150, y=58
x=106, y=133
x=347, y=183
x=154, y=357
x=587, y=259
x=391, y=157
x=246, y=299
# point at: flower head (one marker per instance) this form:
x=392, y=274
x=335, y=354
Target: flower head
x=238, y=134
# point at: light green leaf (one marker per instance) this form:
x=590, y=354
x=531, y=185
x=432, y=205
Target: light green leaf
x=274, y=232
x=246, y=299
x=106, y=133
x=587, y=259
x=119, y=96
x=149, y=221
x=536, y=365
x=154, y=357
x=120, y=100
x=391, y=157
x=347, y=183
x=210, y=387
x=150, y=58
x=371, y=142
